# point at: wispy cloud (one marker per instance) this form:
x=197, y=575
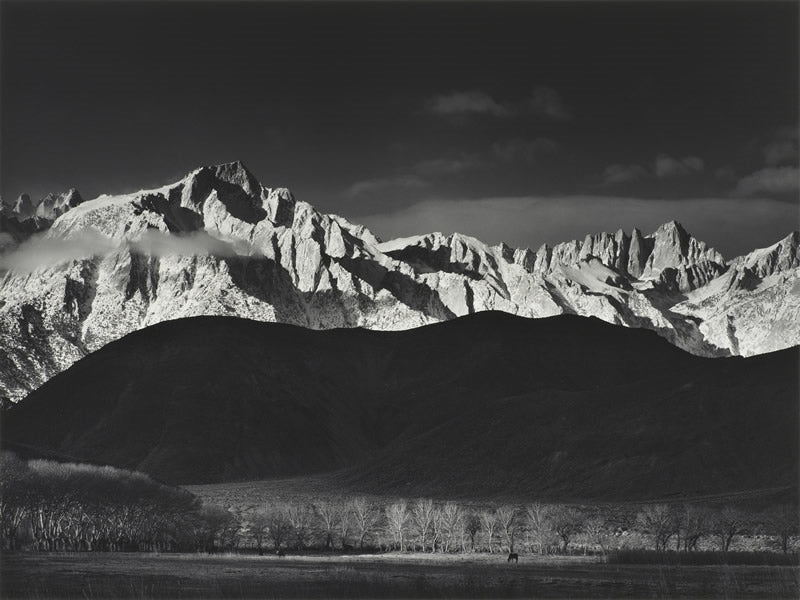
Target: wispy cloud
x=616, y=174
x=467, y=103
x=547, y=103
x=544, y=102
x=416, y=177
x=664, y=167
x=42, y=251
x=383, y=184
x=522, y=150
x=770, y=180
x=427, y=172
x=781, y=150
x=157, y=243
x=448, y=166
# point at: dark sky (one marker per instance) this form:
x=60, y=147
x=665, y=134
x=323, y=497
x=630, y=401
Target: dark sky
x=526, y=122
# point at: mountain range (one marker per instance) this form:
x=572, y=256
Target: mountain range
x=489, y=404
x=77, y=275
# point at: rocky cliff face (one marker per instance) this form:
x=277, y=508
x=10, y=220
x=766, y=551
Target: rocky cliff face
x=219, y=243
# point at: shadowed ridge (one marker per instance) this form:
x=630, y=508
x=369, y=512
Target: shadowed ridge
x=485, y=404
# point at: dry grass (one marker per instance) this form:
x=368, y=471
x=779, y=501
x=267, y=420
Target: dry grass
x=394, y=575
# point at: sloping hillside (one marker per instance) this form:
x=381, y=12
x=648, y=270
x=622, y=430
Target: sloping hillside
x=565, y=406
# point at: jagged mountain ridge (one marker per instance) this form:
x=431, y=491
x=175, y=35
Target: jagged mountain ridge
x=259, y=253
x=26, y=218
x=564, y=407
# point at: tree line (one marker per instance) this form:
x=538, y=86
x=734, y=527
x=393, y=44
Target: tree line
x=46, y=505
x=424, y=525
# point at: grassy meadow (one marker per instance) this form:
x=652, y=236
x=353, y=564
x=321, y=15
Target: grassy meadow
x=391, y=575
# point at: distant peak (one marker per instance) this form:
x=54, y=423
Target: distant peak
x=234, y=166
x=673, y=226
x=71, y=198
x=235, y=173
x=23, y=208
x=233, y=169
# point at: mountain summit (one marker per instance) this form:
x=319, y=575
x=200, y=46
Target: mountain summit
x=218, y=242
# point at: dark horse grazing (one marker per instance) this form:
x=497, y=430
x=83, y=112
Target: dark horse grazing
x=513, y=556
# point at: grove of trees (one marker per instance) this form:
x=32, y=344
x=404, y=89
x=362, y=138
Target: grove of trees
x=46, y=505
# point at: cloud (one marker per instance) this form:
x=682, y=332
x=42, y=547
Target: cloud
x=383, y=184
x=447, y=166
x=770, y=180
x=726, y=174
x=466, y=103
x=666, y=166
x=522, y=150
x=732, y=225
x=158, y=243
x=615, y=174
x=782, y=151
x=546, y=102
x=42, y=251
x=7, y=241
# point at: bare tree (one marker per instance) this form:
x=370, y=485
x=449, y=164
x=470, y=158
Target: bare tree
x=472, y=525
x=330, y=516
x=489, y=524
x=782, y=520
x=566, y=521
x=660, y=521
x=301, y=518
x=596, y=528
x=422, y=515
x=278, y=524
x=365, y=516
x=346, y=524
x=693, y=524
x=438, y=529
x=397, y=517
x=507, y=518
x=452, y=526
x=727, y=524
x=539, y=524
x=258, y=527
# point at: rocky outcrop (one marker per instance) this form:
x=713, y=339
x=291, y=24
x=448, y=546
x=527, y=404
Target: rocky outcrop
x=53, y=206
x=25, y=218
x=217, y=242
x=23, y=208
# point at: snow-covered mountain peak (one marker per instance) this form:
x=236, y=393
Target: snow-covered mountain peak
x=783, y=255
x=218, y=242
x=673, y=247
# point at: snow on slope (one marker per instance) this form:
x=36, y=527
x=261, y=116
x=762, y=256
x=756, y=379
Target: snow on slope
x=219, y=243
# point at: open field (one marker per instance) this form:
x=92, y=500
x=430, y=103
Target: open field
x=118, y=575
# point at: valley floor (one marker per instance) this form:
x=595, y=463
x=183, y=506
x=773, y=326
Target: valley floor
x=140, y=575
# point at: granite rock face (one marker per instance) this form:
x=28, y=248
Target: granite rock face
x=218, y=242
